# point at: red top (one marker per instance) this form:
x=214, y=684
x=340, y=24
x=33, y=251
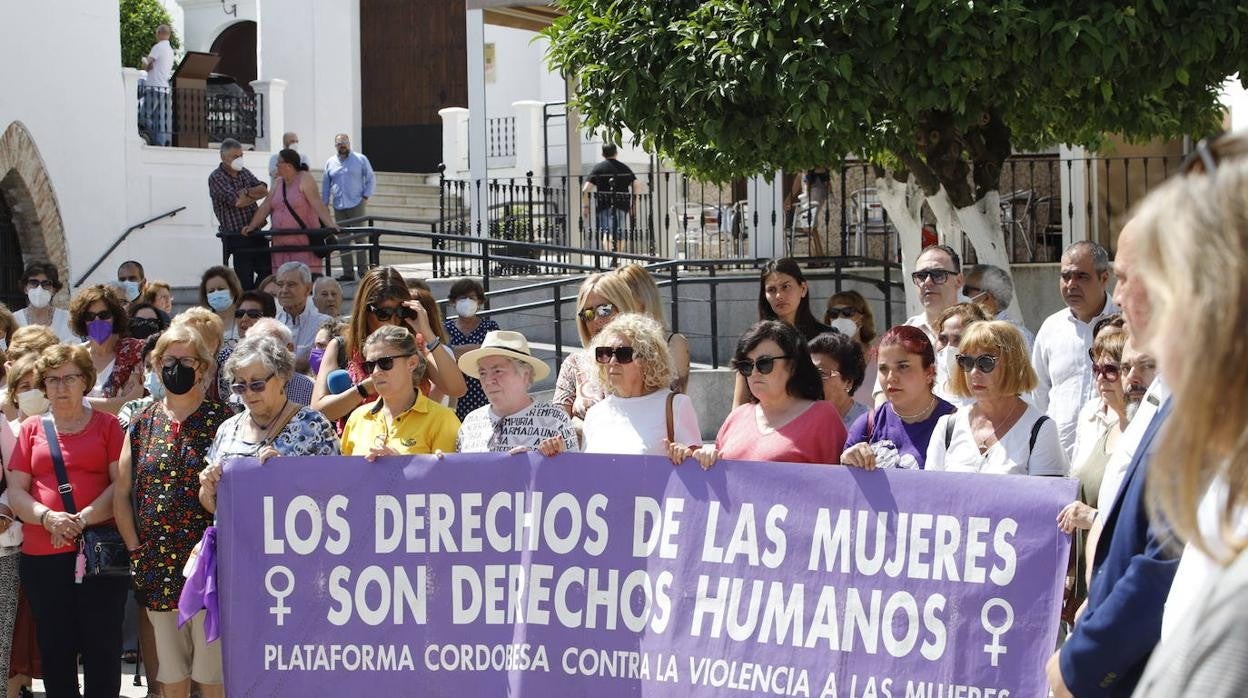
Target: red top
x=814, y=436
x=87, y=455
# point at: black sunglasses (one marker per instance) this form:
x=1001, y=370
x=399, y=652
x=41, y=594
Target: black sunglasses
x=838, y=311
x=622, y=355
x=386, y=363
x=254, y=386
x=938, y=276
x=600, y=310
x=47, y=284
x=251, y=313
x=385, y=314
x=764, y=364
x=984, y=362
x=89, y=316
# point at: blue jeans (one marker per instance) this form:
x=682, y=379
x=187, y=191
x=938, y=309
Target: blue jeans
x=612, y=221
x=158, y=114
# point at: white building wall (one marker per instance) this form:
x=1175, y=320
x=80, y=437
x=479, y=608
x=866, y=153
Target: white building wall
x=519, y=69
x=202, y=21
x=315, y=46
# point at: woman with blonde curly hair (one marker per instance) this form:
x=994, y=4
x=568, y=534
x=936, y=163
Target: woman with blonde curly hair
x=600, y=299
x=640, y=414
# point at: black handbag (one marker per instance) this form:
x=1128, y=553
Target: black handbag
x=101, y=548
x=318, y=239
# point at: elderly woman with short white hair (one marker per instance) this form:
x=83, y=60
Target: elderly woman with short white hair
x=640, y=414
x=512, y=422
x=270, y=423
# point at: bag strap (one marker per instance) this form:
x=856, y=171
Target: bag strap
x=671, y=424
x=273, y=437
x=949, y=431
x=871, y=423
x=290, y=208
x=1035, y=434
x=58, y=464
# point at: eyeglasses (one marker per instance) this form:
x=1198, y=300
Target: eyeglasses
x=986, y=363
x=187, y=361
x=250, y=312
x=385, y=314
x=46, y=284
x=253, y=386
x=598, y=311
x=764, y=364
x=386, y=363
x=623, y=355
x=1111, y=372
x=89, y=316
x=840, y=311
x=938, y=276
x=824, y=373
x=57, y=381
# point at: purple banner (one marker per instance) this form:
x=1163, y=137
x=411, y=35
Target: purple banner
x=497, y=575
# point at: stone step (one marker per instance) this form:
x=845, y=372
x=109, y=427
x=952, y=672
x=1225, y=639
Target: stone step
x=407, y=178
x=390, y=197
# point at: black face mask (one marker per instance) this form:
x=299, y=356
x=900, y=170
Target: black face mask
x=142, y=328
x=178, y=379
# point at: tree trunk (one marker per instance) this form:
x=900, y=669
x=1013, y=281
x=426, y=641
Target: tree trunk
x=903, y=202
x=981, y=221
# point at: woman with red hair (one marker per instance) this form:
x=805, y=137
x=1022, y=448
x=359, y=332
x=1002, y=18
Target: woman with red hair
x=896, y=433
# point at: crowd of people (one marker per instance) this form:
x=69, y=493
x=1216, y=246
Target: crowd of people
x=121, y=413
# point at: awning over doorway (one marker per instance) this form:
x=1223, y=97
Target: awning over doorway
x=517, y=15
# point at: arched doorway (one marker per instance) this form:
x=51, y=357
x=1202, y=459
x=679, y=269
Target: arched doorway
x=236, y=46
x=30, y=219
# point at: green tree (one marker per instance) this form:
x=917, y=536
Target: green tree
x=937, y=93
x=139, y=19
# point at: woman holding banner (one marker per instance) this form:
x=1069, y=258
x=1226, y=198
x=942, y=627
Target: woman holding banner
x=896, y=434
x=640, y=414
x=169, y=519
x=270, y=424
x=403, y=421
x=999, y=432
x=1189, y=245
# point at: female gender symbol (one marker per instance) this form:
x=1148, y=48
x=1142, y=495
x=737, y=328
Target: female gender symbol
x=280, y=609
x=995, y=648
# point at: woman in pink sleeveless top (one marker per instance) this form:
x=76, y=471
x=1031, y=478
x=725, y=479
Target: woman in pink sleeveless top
x=293, y=198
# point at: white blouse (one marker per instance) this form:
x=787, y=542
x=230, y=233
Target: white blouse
x=1012, y=454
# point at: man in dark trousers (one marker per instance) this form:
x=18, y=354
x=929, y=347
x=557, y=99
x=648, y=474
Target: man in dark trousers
x=616, y=189
x=1134, y=562
x=234, y=191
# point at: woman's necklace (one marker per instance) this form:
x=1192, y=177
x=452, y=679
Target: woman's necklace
x=994, y=437
x=918, y=416
x=267, y=428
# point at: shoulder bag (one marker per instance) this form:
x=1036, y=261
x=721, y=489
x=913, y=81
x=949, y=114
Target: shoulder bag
x=101, y=551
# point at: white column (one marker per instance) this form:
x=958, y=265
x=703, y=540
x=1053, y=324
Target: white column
x=273, y=94
x=529, y=127
x=477, y=153
x=130, y=82
x=766, y=236
x=572, y=135
x=454, y=142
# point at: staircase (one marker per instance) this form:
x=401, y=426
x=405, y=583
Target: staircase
x=402, y=195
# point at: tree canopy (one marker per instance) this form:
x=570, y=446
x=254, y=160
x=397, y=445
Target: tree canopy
x=944, y=89
x=139, y=19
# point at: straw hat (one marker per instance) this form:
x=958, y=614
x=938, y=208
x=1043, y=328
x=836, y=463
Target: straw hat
x=505, y=343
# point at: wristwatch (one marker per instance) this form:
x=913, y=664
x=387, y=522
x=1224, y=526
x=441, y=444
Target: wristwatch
x=359, y=388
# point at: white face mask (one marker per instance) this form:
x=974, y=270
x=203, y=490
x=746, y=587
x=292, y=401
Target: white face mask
x=39, y=297
x=236, y=164
x=466, y=307
x=294, y=146
x=845, y=326
x=32, y=402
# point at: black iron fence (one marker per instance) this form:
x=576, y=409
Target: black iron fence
x=193, y=118
x=1045, y=200
x=501, y=137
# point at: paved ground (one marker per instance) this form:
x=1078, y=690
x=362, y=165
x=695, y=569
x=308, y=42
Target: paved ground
x=128, y=689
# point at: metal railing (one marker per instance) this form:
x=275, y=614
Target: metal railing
x=190, y=117
x=122, y=238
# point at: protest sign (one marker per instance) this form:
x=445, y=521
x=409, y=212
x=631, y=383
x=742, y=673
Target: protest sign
x=591, y=575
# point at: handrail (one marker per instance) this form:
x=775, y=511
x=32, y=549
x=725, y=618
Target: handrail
x=122, y=238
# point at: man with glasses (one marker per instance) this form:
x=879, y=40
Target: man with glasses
x=40, y=282
x=294, y=286
x=1060, y=352
x=992, y=289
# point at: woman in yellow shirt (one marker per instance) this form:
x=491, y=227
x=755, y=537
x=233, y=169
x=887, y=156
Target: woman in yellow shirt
x=402, y=421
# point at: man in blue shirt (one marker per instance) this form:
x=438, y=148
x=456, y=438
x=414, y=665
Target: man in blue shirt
x=349, y=182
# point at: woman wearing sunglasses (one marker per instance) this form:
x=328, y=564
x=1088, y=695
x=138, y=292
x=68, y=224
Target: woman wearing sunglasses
x=402, y=421
x=635, y=367
x=381, y=299
x=786, y=420
x=896, y=434
x=783, y=295
x=98, y=313
x=999, y=432
x=600, y=299
x=40, y=282
x=166, y=518
x=270, y=424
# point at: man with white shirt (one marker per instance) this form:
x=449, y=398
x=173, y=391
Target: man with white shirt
x=992, y=289
x=1060, y=352
x=156, y=97
x=295, y=309
x=290, y=141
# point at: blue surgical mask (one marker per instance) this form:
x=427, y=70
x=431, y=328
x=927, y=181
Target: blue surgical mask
x=220, y=299
x=155, y=388
x=131, y=288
